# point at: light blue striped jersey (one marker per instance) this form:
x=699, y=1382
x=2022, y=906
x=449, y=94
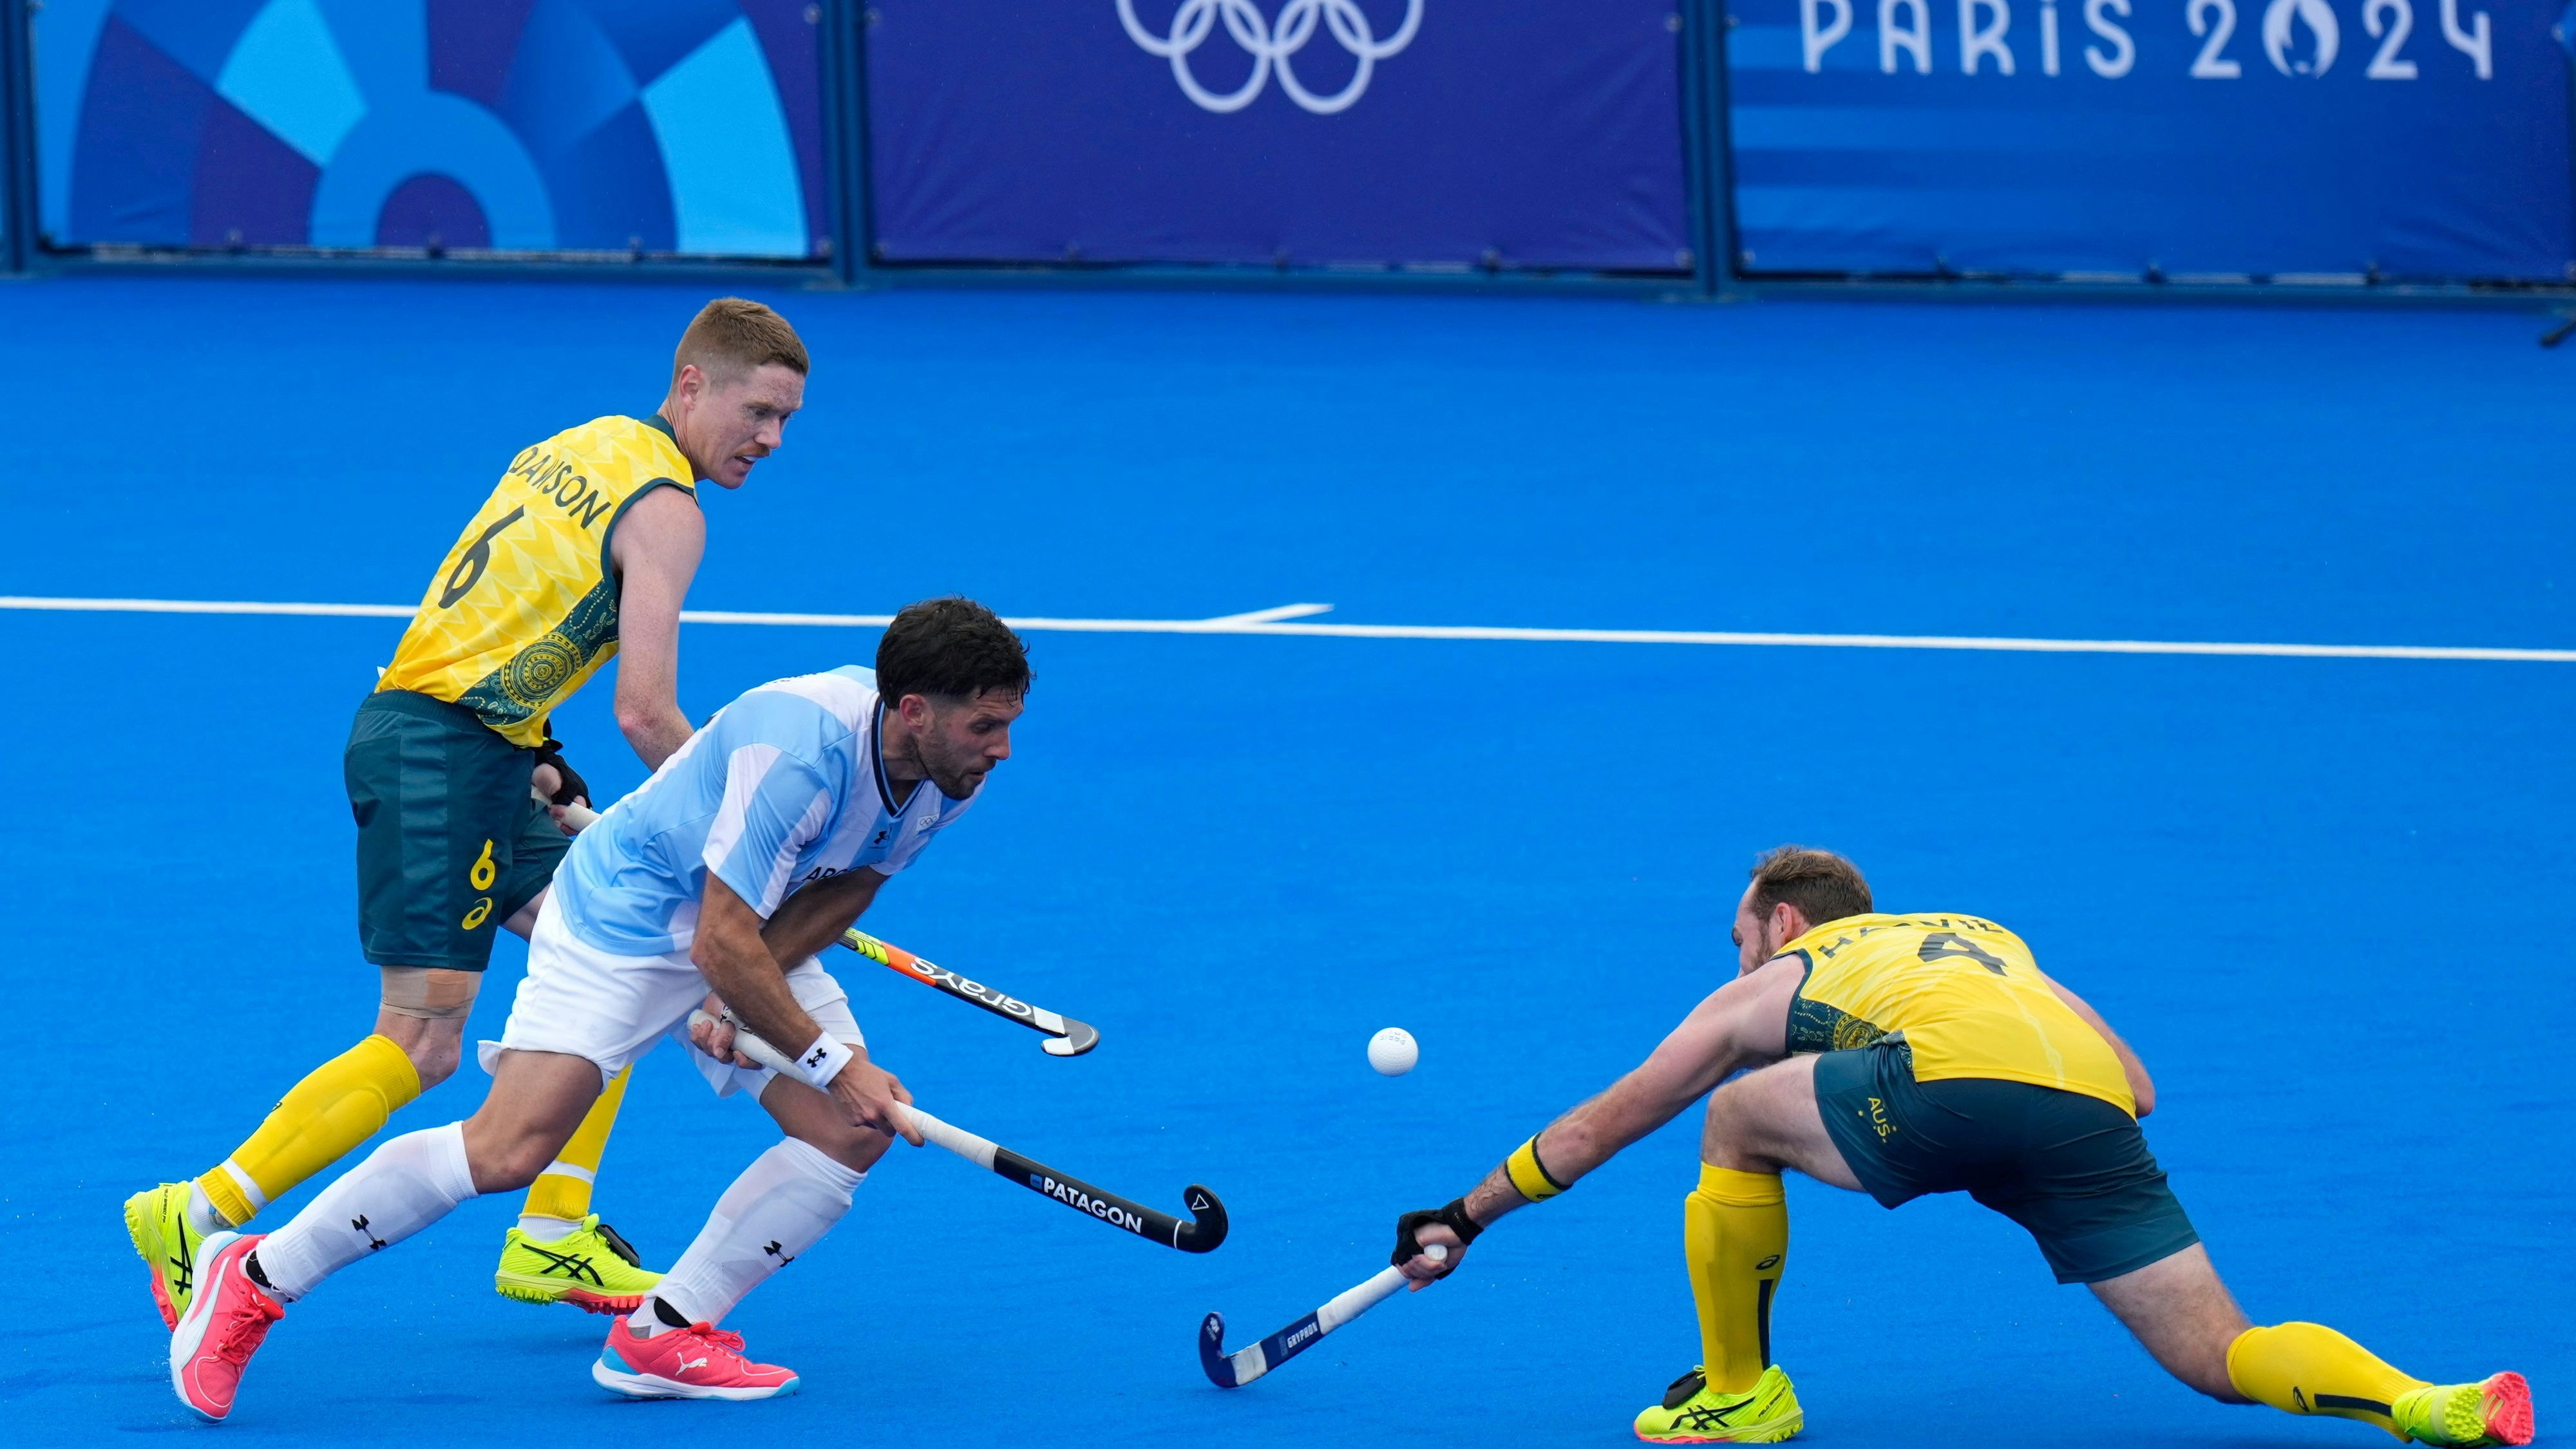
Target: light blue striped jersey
x=784, y=787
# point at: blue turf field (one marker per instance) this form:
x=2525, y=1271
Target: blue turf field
x=2321, y=896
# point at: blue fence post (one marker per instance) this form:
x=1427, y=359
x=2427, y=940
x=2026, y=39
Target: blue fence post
x=17, y=137
x=827, y=56
x=1717, y=172
x=845, y=134
x=1704, y=135
x=862, y=182
x=1694, y=19
x=2564, y=32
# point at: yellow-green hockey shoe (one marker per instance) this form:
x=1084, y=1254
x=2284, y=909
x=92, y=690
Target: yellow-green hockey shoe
x=2492, y=1411
x=1693, y=1413
x=591, y=1268
x=157, y=1220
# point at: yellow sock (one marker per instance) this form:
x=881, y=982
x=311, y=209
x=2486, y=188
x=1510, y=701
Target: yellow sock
x=563, y=1189
x=339, y=1105
x=2308, y=1368
x=1735, y=1232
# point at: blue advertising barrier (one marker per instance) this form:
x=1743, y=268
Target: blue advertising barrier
x=689, y=127
x=1279, y=133
x=2095, y=139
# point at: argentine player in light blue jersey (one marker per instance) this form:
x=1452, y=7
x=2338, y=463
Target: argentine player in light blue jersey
x=752, y=848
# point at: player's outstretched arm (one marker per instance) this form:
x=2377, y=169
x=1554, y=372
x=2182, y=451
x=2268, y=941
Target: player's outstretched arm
x=2141, y=1086
x=657, y=547
x=1742, y=1024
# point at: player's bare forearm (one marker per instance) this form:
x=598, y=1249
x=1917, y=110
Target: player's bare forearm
x=654, y=732
x=740, y=967
x=815, y=917
x=1741, y=1024
x=2141, y=1086
x=1590, y=1135
x=1572, y=1146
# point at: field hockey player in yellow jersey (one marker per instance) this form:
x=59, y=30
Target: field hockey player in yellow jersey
x=585, y=549
x=1913, y=1054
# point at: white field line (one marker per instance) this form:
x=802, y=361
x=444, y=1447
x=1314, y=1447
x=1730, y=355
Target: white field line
x=207, y=606
x=1273, y=616
x=1295, y=625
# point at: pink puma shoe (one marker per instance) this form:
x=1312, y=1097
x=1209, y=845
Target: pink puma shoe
x=700, y=1361
x=224, y=1325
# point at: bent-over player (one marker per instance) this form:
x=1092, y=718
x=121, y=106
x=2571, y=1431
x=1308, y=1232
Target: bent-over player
x=585, y=547
x=1913, y=1054
x=751, y=849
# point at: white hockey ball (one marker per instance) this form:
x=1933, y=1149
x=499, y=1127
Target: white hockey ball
x=1392, y=1052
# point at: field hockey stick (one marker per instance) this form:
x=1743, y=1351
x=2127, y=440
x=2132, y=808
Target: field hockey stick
x=1200, y=1234
x=1065, y=1037
x=1234, y=1370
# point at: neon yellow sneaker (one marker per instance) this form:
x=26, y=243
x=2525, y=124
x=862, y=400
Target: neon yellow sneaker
x=2495, y=1411
x=1693, y=1413
x=593, y=1269
x=157, y=1220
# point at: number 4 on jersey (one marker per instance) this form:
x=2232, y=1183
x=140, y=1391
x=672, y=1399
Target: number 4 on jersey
x=1947, y=943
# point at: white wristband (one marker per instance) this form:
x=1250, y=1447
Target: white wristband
x=823, y=1061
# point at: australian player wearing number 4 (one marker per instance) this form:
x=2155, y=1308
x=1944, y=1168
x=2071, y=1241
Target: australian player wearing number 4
x=585, y=547
x=1924, y=1053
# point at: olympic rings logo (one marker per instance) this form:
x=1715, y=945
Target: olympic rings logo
x=1272, y=47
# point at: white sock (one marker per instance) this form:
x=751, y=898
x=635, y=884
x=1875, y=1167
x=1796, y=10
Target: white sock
x=203, y=1215
x=782, y=1205
x=545, y=1230
x=401, y=1188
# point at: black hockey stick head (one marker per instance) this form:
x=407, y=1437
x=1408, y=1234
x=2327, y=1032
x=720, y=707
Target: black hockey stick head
x=1079, y=1037
x=1206, y=1227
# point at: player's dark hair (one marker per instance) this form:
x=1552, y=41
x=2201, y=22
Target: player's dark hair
x=1822, y=885
x=732, y=336
x=950, y=648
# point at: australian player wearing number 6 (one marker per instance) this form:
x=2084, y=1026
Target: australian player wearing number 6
x=587, y=544
x=754, y=847
x=1924, y=1053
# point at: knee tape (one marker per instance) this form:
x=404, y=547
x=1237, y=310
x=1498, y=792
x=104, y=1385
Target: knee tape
x=430, y=993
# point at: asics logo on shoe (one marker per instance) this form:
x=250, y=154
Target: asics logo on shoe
x=576, y=1266
x=1709, y=1418
x=185, y=1266
x=373, y=1242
